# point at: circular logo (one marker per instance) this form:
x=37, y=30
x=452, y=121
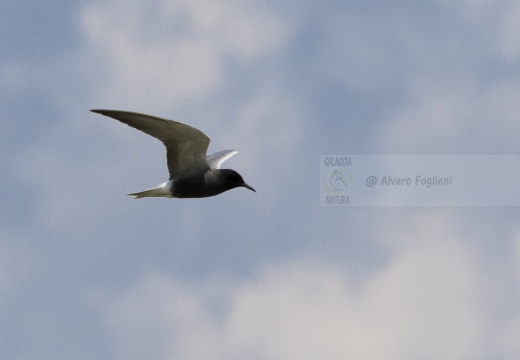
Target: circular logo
x=338, y=181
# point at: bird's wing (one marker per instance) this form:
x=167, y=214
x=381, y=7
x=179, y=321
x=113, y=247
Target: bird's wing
x=215, y=160
x=185, y=145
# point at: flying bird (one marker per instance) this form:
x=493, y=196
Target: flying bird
x=193, y=174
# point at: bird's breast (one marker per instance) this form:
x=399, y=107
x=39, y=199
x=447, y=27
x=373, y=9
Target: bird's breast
x=196, y=184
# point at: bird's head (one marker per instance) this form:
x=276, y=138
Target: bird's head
x=234, y=179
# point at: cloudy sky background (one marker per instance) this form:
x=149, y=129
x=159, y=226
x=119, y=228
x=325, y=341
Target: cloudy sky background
x=88, y=273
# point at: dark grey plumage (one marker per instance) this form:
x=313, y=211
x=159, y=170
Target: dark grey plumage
x=193, y=174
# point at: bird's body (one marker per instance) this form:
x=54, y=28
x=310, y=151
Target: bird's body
x=193, y=174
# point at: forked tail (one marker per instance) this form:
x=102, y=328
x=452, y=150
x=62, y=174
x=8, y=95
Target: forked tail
x=162, y=190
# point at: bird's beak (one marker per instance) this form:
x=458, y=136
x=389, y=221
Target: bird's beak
x=247, y=186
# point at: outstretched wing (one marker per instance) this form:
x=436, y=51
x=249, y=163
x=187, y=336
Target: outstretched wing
x=185, y=145
x=215, y=160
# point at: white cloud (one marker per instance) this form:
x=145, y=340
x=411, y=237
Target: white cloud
x=271, y=127
x=499, y=20
x=516, y=249
x=511, y=32
x=159, y=318
x=472, y=10
x=491, y=14
x=429, y=301
x=165, y=52
x=152, y=57
x=450, y=115
x=509, y=341
x=361, y=61
x=434, y=113
x=17, y=264
x=140, y=70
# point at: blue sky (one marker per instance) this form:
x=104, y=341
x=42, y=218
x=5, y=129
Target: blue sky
x=89, y=273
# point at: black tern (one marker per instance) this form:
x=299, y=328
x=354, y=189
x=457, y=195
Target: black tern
x=193, y=174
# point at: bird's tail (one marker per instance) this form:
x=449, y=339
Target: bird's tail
x=162, y=190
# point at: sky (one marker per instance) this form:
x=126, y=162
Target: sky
x=86, y=272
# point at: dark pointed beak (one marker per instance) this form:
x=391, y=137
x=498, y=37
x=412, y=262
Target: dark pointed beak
x=247, y=186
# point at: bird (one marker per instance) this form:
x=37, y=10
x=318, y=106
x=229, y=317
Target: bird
x=193, y=174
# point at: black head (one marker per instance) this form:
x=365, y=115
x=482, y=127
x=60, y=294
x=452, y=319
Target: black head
x=234, y=179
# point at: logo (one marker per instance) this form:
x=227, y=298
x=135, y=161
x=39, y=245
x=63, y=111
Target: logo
x=338, y=181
